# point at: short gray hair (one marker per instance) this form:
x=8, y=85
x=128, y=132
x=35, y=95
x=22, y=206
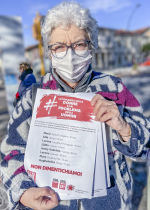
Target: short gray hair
x=68, y=13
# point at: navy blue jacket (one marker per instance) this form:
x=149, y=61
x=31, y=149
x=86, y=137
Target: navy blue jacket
x=27, y=79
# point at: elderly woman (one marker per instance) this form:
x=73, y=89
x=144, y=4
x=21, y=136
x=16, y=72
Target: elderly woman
x=70, y=35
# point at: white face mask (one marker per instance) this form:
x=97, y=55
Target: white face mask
x=72, y=67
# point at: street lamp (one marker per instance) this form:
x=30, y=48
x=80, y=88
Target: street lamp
x=131, y=15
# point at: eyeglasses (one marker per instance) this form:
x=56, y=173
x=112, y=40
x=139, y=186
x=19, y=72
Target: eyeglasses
x=59, y=50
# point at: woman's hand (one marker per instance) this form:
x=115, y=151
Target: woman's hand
x=107, y=111
x=39, y=198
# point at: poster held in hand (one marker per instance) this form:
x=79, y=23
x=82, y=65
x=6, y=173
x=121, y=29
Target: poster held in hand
x=65, y=147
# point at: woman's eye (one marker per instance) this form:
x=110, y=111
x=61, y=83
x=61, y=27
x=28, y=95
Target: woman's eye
x=80, y=45
x=59, y=47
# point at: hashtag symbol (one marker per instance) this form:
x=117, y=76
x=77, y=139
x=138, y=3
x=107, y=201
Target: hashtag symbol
x=50, y=104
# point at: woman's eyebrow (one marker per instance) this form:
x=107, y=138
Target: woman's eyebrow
x=65, y=43
x=56, y=43
x=79, y=40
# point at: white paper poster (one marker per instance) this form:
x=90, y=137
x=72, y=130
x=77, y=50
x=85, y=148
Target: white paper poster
x=65, y=148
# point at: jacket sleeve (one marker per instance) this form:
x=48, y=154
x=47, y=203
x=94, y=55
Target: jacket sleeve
x=29, y=80
x=132, y=112
x=14, y=176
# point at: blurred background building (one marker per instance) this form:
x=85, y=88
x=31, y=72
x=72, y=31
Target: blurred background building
x=11, y=54
x=120, y=48
x=32, y=56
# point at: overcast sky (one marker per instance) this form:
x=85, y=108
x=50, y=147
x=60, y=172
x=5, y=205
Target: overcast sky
x=108, y=13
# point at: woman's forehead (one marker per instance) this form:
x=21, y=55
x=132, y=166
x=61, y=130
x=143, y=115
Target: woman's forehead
x=66, y=34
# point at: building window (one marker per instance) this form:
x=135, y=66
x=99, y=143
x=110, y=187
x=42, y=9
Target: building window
x=119, y=60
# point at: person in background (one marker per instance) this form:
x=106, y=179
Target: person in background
x=70, y=36
x=27, y=79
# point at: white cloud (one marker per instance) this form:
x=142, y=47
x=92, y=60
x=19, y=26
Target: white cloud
x=106, y=5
